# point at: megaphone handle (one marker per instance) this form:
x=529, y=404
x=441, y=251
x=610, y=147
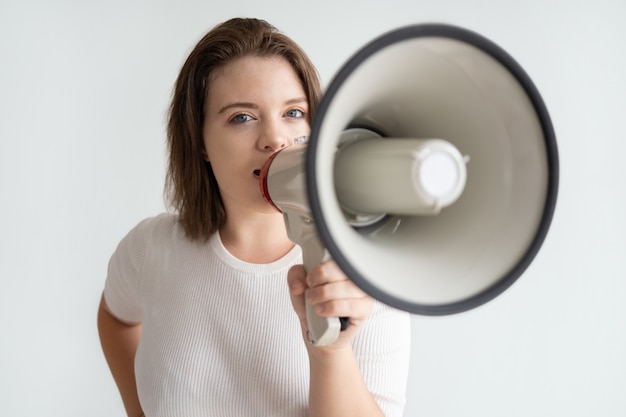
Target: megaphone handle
x=322, y=331
x=343, y=321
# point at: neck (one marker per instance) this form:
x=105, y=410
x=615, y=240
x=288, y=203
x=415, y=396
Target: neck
x=257, y=239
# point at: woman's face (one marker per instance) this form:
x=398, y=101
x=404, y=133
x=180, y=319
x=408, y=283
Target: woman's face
x=255, y=106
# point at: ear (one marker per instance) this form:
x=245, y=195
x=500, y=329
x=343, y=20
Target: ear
x=205, y=155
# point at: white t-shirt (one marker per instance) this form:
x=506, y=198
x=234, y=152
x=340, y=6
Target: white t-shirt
x=219, y=335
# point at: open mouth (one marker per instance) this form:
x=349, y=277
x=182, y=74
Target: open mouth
x=257, y=172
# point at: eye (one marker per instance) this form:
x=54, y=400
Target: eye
x=295, y=113
x=240, y=118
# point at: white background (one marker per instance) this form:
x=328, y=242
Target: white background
x=84, y=88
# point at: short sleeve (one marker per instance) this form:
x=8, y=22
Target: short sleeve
x=122, y=285
x=382, y=349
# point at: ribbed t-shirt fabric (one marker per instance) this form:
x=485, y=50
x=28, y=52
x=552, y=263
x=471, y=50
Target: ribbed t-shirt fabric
x=219, y=335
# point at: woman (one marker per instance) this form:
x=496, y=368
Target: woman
x=197, y=316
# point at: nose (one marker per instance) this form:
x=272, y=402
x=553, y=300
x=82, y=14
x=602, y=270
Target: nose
x=273, y=137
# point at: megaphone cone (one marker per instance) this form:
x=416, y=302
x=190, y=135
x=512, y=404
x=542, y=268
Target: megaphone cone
x=431, y=173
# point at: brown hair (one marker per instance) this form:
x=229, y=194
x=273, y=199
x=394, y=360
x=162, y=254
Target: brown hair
x=191, y=187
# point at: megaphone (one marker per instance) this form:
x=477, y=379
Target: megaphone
x=430, y=175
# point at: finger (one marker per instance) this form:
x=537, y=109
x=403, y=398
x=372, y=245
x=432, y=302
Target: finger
x=296, y=279
x=358, y=310
x=334, y=291
x=324, y=273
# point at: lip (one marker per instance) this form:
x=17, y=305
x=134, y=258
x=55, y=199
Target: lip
x=262, y=177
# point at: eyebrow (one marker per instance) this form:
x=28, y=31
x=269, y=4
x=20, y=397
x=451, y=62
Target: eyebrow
x=248, y=105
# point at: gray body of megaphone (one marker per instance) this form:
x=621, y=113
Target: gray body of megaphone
x=430, y=176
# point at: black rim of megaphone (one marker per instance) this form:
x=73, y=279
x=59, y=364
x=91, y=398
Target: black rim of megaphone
x=487, y=46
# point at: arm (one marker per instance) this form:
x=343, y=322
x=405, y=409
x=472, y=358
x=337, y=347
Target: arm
x=119, y=342
x=337, y=387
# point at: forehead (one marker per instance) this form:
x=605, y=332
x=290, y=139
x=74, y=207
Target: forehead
x=256, y=79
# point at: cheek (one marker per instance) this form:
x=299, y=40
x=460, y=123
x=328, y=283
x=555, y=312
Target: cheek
x=227, y=168
x=223, y=177
x=223, y=156
x=225, y=144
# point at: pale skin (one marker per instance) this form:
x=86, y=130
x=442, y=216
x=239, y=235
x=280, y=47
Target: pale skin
x=119, y=342
x=256, y=106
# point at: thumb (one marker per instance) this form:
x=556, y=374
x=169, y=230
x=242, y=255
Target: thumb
x=296, y=279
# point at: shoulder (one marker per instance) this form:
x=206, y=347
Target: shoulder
x=163, y=223
x=383, y=350
x=155, y=228
x=387, y=328
x=383, y=311
x=149, y=233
